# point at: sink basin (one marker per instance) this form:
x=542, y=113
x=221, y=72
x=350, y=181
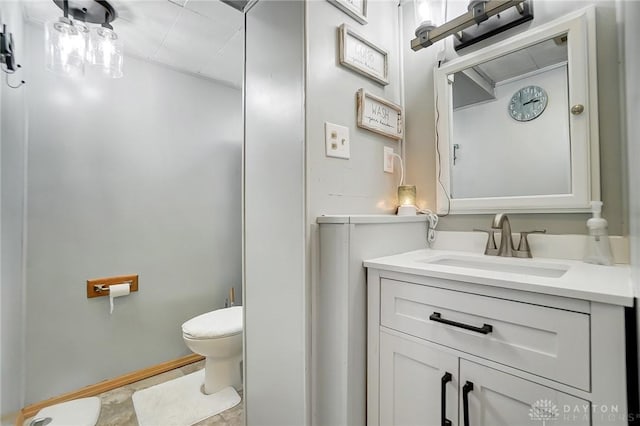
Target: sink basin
x=509, y=265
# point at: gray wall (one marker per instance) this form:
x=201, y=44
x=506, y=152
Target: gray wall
x=358, y=185
x=337, y=186
x=631, y=11
x=275, y=253
x=12, y=153
x=140, y=175
x=420, y=133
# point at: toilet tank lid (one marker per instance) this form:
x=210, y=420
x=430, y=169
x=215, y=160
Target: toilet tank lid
x=218, y=323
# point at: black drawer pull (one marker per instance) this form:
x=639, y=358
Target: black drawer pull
x=485, y=329
x=443, y=399
x=468, y=387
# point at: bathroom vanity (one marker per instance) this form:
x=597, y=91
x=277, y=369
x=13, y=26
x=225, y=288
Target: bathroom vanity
x=458, y=338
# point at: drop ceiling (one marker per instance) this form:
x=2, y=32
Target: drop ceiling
x=202, y=37
x=518, y=63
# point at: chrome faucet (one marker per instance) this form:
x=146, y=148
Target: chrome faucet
x=501, y=223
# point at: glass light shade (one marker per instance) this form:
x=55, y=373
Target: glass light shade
x=105, y=52
x=64, y=48
x=407, y=195
x=428, y=14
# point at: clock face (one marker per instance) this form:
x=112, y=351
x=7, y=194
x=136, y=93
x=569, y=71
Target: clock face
x=528, y=103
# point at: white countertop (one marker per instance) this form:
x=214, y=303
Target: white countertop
x=369, y=218
x=605, y=284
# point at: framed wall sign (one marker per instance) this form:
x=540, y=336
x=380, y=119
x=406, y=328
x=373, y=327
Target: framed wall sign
x=362, y=56
x=357, y=9
x=379, y=115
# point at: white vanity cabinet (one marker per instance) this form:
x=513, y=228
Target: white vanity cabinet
x=495, y=398
x=415, y=380
x=447, y=352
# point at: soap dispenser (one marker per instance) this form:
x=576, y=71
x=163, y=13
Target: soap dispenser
x=598, y=249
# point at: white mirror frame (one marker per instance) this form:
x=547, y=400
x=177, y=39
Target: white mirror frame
x=585, y=155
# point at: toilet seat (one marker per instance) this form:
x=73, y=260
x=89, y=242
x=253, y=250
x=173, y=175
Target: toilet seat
x=214, y=324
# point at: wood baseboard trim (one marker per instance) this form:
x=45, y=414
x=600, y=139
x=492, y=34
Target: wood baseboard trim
x=20, y=419
x=107, y=385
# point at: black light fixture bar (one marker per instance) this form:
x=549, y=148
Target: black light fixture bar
x=91, y=11
x=457, y=25
x=508, y=19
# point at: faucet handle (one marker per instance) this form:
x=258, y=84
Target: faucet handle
x=523, y=249
x=490, y=249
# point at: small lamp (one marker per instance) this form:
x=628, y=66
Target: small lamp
x=407, y=200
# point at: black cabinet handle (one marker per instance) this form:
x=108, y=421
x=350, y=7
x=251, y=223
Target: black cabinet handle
x=468, y=387
x=443, y=399
x=485, y=329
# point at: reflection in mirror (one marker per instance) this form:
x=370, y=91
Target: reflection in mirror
x=510, y=124
x=517, y=122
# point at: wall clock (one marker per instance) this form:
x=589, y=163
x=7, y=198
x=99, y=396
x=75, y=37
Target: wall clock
x=528, y=103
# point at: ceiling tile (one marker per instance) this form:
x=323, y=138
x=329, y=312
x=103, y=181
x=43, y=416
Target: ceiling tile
x=217, y=11
x=548, y=53
x=227, y=65
x=203, y=37
x=41, y=11
x=144, y=25
x=192, y=41
x=508, y=66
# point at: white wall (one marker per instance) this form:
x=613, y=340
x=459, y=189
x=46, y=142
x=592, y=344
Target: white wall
x=140, y=175
x=420, y=132
x=340, y=337
x=275, y=253
x=522, y=158
x=12, y=124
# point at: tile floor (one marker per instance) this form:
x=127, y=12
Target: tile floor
x=117, y=405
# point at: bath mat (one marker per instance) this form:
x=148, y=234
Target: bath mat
x=179, y=402
x=78, y=412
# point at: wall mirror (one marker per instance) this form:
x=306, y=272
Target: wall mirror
x=517, y=123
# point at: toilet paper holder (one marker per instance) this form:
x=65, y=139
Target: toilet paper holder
x=98, y=287
x=103, y=287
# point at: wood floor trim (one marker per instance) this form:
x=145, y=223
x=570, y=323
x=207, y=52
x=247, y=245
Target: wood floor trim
x=107, y=385
x=20, y=419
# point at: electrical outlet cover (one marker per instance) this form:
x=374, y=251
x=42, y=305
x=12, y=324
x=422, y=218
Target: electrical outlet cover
x=388, y=159
x=337, y=141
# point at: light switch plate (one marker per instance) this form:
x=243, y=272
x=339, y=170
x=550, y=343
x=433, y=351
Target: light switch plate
x=388, y=159
x=337, y=141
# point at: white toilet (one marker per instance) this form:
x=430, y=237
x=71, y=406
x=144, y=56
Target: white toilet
x=217, y=335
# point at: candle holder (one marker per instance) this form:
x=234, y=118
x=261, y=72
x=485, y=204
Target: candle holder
x=407, y=200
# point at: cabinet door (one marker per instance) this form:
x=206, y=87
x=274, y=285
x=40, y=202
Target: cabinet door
x=490, y=397
x=415, y=380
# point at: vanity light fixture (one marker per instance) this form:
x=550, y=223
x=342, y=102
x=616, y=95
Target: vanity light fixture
x=427, y=16
x=484, y=18
x=70, y=43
